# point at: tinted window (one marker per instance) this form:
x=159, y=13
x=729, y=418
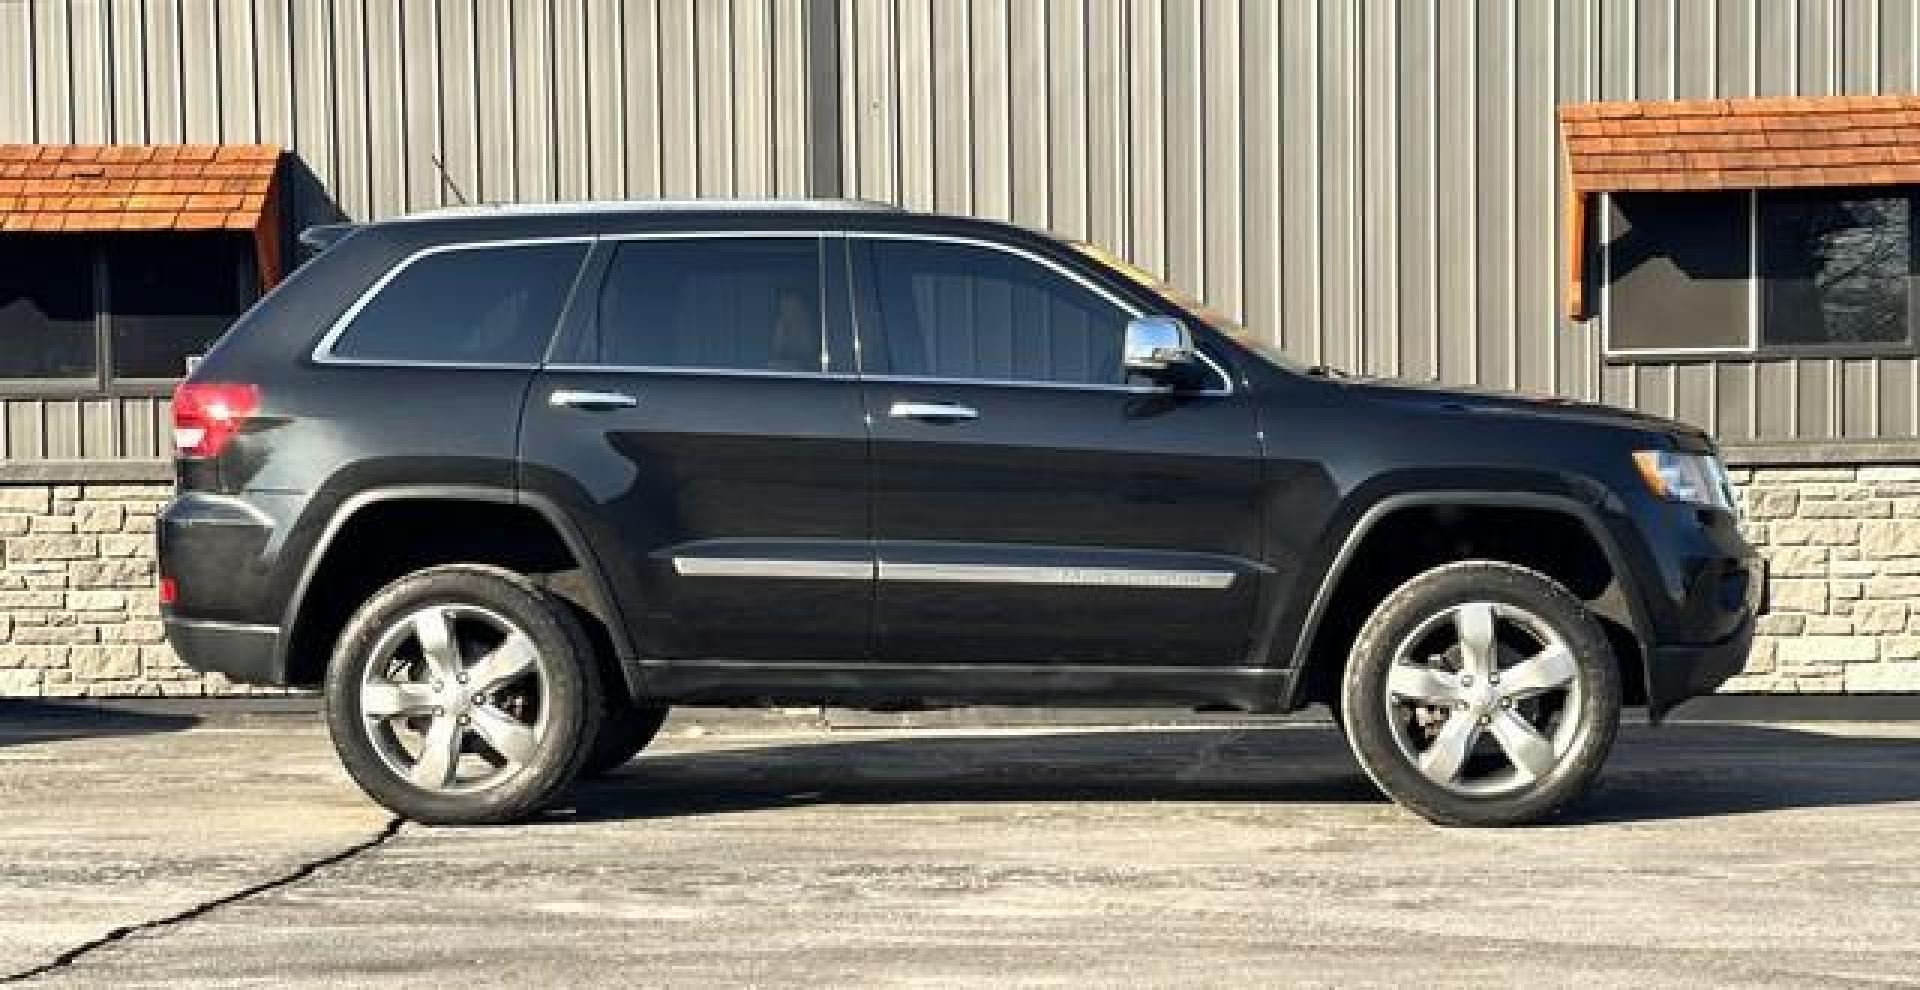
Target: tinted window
x=960, y=311
x=171, y=296
x=46, y=307
x=1680, y=265
x=467, y=305
x=750, y=304
x=1835, y=268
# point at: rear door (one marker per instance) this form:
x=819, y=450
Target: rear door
x=1031, y=504
x=700, y=416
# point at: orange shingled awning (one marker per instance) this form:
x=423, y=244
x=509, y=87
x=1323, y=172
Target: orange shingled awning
x=96, y=188
x=1705, y=145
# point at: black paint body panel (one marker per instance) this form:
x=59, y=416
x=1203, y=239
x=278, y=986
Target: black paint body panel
x=1274, y=484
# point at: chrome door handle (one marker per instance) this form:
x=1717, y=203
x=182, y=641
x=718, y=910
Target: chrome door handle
x=932, y=410
x=591, y=400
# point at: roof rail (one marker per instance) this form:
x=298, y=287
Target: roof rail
x=649, y=205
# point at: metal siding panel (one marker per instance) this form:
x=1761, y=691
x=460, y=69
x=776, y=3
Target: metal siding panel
x=52, y=91
x=26, y=439
x=604, y=92
x=572, y=99
x=535, y=141
x=61, y=429
x=678, y=106
x=1858, y=384
x=1536, y=208
x=914, y=103
x=1146, y=148
x=1264, y=172
x=145, y=428
x=1459, y=260
x=987, y=24
x=713, y=100
x=1899, y=396
x=89, y=49
x=1813, y=391
x=1338, y=209
x=1419, y=255
x=1301, y=328
x=1818, y=44
x=1654, y=69
x=752, y=137
x=1069, y=175
x=1733, y=410
x=872, y=130
x=1895, y=44
x=1857, y=44
x=235, y=56
x=1734, y=27
x=1185, y=151
x=99, y=429
x=17, y=86
x=496, y=132
x=1493, y=274
x=1028, y=116
x=199, y=41
x=1776, y=47
x=390, y=123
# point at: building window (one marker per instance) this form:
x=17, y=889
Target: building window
x=110, y=312
x=1835, y=268
x=1823, y=272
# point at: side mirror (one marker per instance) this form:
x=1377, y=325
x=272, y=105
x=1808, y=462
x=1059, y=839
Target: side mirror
x=1159, y=346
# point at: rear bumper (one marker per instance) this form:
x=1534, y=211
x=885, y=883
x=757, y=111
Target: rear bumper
x=243, y=652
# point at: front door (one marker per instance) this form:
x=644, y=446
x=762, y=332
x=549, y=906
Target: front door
x=701, y=417
x=1031, y=504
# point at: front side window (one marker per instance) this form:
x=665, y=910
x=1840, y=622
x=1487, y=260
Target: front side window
x=747, y=304
x=468, y=305
x=969, y=312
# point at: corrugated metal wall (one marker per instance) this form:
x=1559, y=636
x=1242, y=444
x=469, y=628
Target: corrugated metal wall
x=1372, y=183
x=521, y=99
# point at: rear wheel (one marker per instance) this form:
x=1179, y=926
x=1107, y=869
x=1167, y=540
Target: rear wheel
x=463, y=695
x=1481, y=693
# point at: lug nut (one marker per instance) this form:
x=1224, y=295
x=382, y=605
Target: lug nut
x=462, y=678
x=464, y=720
x=1506, y=702
x=437, y=712
x=437, y=686
x=1493, y=678
x=479, y=699
x=1466, y=680
x=1485, y=721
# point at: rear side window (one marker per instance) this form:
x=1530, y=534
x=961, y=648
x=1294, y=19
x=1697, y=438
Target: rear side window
x=747, y=304
x=480, y=305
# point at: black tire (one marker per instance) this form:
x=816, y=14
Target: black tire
x=560, y=691
x=1519, y=606
x=625, y=730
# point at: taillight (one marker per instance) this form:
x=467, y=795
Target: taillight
x=207, y=415
x=169, y=591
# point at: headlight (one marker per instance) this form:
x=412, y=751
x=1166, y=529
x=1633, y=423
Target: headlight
x=1698, y=479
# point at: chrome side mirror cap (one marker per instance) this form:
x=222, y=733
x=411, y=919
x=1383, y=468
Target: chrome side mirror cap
x=1157, y=345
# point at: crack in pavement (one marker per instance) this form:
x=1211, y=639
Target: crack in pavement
x=297, y=874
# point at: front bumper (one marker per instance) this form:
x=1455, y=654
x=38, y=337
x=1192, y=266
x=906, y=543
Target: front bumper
x=1677, y=673
x=243, y=652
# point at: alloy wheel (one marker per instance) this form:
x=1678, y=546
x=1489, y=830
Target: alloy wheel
x=1484, y=698
x=455, y=698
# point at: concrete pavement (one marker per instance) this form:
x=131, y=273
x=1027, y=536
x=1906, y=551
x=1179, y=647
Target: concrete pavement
x=1724, y=854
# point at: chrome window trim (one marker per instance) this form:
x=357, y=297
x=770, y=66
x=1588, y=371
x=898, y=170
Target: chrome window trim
x=1133, y=313
x=323, y=351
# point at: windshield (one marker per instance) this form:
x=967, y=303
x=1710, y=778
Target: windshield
x=1199, y=310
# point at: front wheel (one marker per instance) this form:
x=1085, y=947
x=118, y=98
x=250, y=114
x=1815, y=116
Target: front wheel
x=463, y=695
x=1481, y=693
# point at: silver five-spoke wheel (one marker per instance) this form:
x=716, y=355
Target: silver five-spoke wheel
x=1479, y=697
x=455, y=698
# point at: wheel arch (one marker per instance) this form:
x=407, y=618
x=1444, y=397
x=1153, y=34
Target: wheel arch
x=1629, y=612
x=601, y=600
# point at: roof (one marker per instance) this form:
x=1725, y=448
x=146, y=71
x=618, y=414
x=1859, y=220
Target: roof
x=1742, y=144
x=649, y=205
x=102, y=187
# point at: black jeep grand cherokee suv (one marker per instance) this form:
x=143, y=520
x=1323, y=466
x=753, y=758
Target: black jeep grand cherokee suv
x=510, y=481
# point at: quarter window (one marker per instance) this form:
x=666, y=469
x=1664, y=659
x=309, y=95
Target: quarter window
x=966, y=312
x=748, y=304
x=481, y=305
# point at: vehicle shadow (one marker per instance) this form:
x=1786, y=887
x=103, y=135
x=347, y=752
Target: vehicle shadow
x=35, y=720
x=1674, y=772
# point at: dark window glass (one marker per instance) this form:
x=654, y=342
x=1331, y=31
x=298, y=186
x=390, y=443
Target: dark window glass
x=172, y=295
x=492, y=305
x=1834, y=267
x=960, y=311
x=46, y=306
x=750, y=304
x=1680, y=264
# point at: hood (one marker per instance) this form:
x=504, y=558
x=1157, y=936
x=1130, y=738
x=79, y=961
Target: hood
x=1494, y=402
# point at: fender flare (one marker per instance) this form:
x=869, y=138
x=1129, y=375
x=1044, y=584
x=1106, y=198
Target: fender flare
x=1356, y=535
x=570, y=535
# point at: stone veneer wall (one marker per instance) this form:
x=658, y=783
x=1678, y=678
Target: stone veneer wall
x=78, y=615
